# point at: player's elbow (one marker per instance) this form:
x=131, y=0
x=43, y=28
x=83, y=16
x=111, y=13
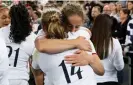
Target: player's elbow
x=101, y=72
x=98, y=69
x=120, y=67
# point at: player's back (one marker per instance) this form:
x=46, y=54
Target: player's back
x=60, y=73
x=19, y=55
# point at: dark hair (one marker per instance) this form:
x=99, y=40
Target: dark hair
x=38, y=14
x=98, y=7
x=130, y=2
x=115, y=27
x=93, y=4
x=126, y=11
x=20, y=23
x=101, y=34
x=32, y=4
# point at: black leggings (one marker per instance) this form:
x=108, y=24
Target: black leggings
x=108, y=83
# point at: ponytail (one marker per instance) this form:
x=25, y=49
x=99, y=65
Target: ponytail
x=52, y=22
x=55, y=30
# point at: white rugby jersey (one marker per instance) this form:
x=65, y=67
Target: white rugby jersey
x=4, y=62
x=60, y=73
x=19, y=55
x=113, y=63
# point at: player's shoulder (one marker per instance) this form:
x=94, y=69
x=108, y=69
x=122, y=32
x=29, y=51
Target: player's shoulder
x=40, y=35
x=41, y=32
x=83, y=31
x=31, y=37
x=5, y=30
x=29, y=40
x=116, y=42
x=83, y=28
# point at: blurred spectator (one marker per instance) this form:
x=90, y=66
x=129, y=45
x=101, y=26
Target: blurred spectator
x=3, y=5
x=36, y=17
x=107, y=9
x=36, y=21
x=118, y=7
x=114, y=11
x=129, y=37
x=59, y=4
x=124, y=19
x=115, y=27
x=130, y=7
x=30, y=10
x=4, y=17
x=86, y=7
x=97, y=9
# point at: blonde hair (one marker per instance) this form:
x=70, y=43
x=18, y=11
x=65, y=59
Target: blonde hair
x=51, y=21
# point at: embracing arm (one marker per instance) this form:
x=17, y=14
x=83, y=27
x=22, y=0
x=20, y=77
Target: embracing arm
x=82, y=58
x=39, y=76
x=97, y=65
x=55, y=45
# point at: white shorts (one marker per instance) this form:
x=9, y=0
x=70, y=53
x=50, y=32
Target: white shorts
x=18, y=82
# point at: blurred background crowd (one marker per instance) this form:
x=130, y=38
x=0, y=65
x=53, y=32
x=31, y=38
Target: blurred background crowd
x=120, y=11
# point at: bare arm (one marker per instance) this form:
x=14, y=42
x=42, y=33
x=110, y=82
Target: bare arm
x=82, y=58
x=97, y=65
x=39, y=76
x=55, y=45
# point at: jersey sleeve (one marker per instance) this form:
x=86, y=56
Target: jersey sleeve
x=29, y=45
x=118, y=58
x=34, y=60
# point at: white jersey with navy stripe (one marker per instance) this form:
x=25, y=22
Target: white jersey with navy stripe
x=60, y=73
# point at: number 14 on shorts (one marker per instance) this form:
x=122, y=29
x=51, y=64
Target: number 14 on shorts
x=67, y=75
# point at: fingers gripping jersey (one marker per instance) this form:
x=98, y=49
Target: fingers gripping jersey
x=60, y=73
x=18, y=55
